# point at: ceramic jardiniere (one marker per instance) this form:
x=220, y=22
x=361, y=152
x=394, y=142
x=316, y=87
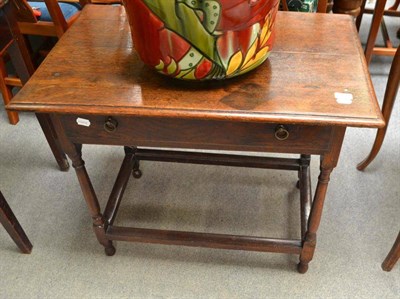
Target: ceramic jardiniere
x=202, y=39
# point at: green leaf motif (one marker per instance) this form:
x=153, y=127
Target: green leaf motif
x=208, y=10
x=183, y=20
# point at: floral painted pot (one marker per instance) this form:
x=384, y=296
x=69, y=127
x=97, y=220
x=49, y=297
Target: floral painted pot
x=202, y=39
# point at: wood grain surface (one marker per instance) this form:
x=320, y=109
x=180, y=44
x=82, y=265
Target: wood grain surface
x=95, y=70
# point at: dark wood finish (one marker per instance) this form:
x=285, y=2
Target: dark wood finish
x=328, y=163
x=12, y=226
x=74, y=152
x=110, y=212
x=98, y=55
x=52, y=139
x=393, y=256
x=392, y=88
x=349, y=7
x=284, y=5
x=207, y=134
x=285, y=106
x=203, y=240
x=217, y=159
x=305, y=192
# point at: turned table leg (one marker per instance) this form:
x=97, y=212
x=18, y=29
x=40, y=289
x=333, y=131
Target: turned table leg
x=328, y=163
x=90, y=198
x=310, y=238
x=74, y=152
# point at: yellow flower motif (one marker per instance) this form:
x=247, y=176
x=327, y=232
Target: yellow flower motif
x=234, y=63
x=160, y=66
x=171, y=68
x=251, y=52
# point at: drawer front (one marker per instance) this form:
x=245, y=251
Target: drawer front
x=197, y=134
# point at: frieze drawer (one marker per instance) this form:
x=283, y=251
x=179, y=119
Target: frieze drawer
x=205, y=134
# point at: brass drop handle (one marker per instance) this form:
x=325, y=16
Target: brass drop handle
x=110, y=125
x=281, y=132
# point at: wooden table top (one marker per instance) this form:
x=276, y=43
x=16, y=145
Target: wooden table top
x=94, y=69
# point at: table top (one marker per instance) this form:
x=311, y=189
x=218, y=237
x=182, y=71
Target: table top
x=94, y=69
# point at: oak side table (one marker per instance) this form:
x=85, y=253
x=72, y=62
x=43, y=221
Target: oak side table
x=313, y=86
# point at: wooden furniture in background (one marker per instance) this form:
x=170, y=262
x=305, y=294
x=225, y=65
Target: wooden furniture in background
x=387, y=107
x=349, y=7
x=12, y=226
x=20, y=15
x=287, y=105
x=378, y=22
x=29, y=24
x=388, y=103
x=19, y=56
x=393, y=256
x=12, y=44
x=322, y=6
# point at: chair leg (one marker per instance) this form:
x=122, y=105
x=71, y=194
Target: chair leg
x=12, y=226
x=7, y=93
x=388, y=102
x=393, y=255
x=395, y=5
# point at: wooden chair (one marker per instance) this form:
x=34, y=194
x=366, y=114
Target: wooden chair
x=378, y=22
x=388, y=102
x=55, y=20
x=12, y=226
x=56, y=16
x=16, y=48
x=12, y=45
x=387, y=107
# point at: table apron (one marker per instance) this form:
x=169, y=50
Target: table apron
x=197, y=134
